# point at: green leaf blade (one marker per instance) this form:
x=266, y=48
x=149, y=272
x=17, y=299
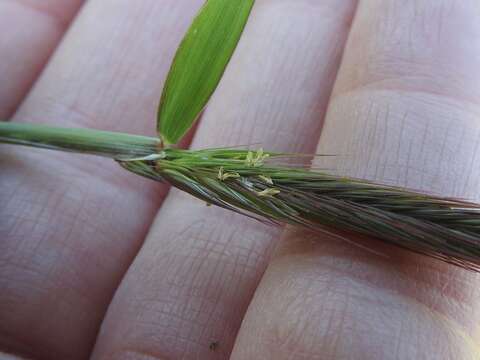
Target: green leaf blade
x=199, y=64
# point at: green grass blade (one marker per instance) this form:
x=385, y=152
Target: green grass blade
x=199, y=65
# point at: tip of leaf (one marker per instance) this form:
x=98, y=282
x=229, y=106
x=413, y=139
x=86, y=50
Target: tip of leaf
x=199, y=64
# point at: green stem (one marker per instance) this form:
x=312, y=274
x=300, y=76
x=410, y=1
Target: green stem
x=96, y=142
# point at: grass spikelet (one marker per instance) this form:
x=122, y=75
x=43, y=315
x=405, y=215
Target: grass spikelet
x=252, y=183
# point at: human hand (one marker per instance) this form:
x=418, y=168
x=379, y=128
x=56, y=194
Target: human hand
x=84, y=271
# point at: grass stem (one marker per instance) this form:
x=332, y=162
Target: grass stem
x=103, y=143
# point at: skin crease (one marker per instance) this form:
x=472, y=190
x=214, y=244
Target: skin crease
x=403, y=106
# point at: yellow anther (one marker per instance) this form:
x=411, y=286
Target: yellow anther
x=270, y=192
x=257, y=159
x=222, y=175
x=266, y=179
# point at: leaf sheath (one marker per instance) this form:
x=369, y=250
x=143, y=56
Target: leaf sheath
x=96, y=142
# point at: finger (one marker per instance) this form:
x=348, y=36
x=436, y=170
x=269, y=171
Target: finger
x=185, y=295
x=404, y=111
x=70, y=225
x=30, y=32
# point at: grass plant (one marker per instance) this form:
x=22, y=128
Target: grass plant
x=259, y=183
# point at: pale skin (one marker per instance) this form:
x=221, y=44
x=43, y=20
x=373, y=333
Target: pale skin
x=99, y=263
